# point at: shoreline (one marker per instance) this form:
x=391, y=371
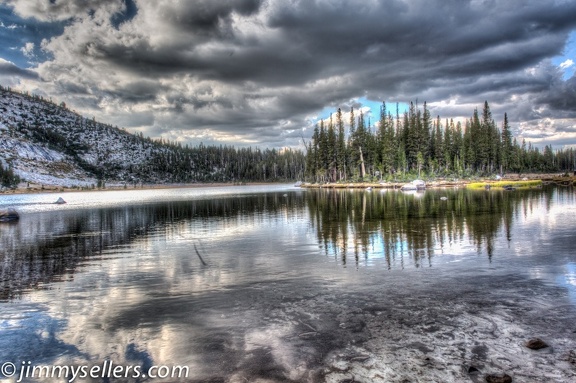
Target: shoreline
x=444, y=183
x=546, y=178
x=52, y=189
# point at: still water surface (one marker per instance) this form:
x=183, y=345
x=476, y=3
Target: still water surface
x=276, y=284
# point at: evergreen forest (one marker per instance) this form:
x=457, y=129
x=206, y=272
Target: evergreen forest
x=417, y=144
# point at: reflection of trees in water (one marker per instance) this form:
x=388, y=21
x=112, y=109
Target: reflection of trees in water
x=48, y=247
x=351, y=225
x=396, y=225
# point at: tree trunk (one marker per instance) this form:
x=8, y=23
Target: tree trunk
x=362, y=167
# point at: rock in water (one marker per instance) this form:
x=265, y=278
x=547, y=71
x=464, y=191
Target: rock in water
x=473, y=370
x=60, y=201
x=499, y=378
x=9, y=215
x=536, y=344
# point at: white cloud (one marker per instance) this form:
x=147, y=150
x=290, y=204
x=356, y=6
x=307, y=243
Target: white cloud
x=11, y=26
x=28, y=50
x=566, y=64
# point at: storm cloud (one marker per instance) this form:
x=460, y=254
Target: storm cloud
x=9, y=71
x=261, y=71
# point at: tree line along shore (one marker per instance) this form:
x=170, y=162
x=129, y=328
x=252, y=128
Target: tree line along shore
x=402, y=147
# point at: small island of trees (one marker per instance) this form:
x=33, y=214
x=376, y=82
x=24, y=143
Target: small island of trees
x=415, y=143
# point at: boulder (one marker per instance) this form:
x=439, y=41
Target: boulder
x=9, y=215
x=536, y=344
x=499, y=378
x=60, y=201
x=473, y=370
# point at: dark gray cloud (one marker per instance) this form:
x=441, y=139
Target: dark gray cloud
x=9, y=69
x=561, y=97
x=260, y=71
x=210, y=18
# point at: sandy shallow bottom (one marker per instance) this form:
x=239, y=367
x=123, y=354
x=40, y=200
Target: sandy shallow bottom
x=457, y=329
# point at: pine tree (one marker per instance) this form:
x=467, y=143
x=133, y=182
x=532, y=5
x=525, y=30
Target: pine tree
x=7, y=177
x=438, y=143
x=360, y=143
x=310, y=161
x=332, y=151
x=411, y=136
x=507, y=146
x=323, y=156
x=448, y=145
x=387, y=140
x=424, y=133
x=341, y=151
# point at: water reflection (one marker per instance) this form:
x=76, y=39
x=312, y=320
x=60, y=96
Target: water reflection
x=414, y=227
x=352, y=227
x=48, y=246
x=271, y=300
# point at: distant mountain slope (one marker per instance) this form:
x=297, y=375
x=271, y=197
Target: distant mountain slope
x=48, y=143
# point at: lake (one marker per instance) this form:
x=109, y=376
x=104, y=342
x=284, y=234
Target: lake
x=273, y=283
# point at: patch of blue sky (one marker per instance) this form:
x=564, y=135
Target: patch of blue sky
x=122, y=17
x=16, y=32
x=375, y=106
x=567, y=61
x=373, y=112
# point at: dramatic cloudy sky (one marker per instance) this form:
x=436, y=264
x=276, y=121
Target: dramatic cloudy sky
x=262, y=72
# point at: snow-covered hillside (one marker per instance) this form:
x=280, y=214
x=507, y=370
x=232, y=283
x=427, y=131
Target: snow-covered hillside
x=49, y=144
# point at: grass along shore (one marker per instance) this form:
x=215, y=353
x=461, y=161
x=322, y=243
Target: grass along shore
x=525, y=181
x=505, y=184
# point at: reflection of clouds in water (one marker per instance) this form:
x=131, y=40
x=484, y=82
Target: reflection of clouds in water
x=272, y=339
x=269, y=305
x=44, y=246
x=571, y=274
x=548, y=212
x=158, y=298
x=33, y=334
x=568, y=280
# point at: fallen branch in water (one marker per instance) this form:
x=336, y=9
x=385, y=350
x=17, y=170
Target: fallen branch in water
x=199, y=256
x=307, y=325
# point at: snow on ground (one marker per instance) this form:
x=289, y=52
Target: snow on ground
x=47, y=179
x=43, y=143
x=19, y=149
